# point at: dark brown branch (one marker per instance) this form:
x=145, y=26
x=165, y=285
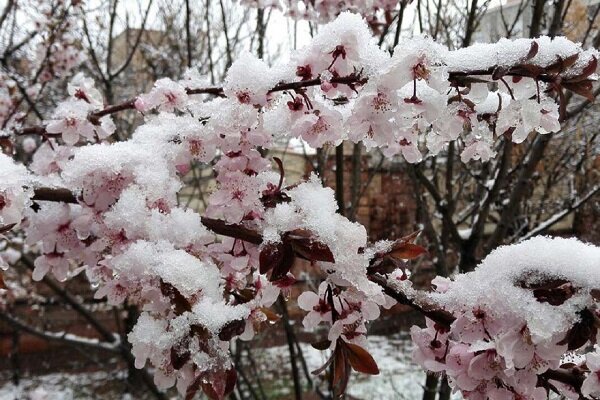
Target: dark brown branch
x=431, y=311
x=62, y=337
x=457, y=78
x=53, y=194
x=565, y=376
x=232, y=230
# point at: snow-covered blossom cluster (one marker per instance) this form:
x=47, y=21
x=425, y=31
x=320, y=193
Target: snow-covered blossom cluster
x=53, y=50
x=14, y=192
x=75, y=117
x=516, y=322
x=123, y=225
x=57, y=52
x=327, y=10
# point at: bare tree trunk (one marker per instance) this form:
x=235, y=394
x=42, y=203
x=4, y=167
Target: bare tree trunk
x=430, y=389
x=260, y=28
x=339, y=178
x=536, y=18
x=188, y=38
x=289, y=333
x=355, y=188
x=445, y=390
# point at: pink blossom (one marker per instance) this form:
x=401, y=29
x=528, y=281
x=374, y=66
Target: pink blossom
x=319, y=310
x=591, y=384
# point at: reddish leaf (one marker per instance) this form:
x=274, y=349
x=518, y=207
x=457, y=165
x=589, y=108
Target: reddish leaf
x=312, y=250
x=209, y=390
x=407, y=251
x=498, y=73
x=582, y=331
x=533, y=50
x=569, y=61
x=361, y=360
x=410, y=238
x=341, y=370
x=555, y=295
x=245, y=295
x=200, y=332
x=583, y=88
x=321, y=345
x=193, y=388
x=385, y=265
x=179, y=357
x=178, y=301
x=271, y=316
x=270, y=256
x=230, y=381
x=551, y=291
x=562, y=64
x=231, y=329
x=281, y=269
x=323, y=367
x=218, y=384
x=308, y=248
x=588, y=70
x=6, y=228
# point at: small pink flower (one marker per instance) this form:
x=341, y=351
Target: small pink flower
x=591, y=384
x=319, y=310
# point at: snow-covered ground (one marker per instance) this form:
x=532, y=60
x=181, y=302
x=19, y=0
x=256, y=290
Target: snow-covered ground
x=399, y=378
x=65, y=386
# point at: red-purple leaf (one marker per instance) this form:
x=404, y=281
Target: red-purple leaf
x=308, y=248
x=231, y=329
x=583, y=330
x=245, y=295
x=361, y=360
x=179, y=357
x=589, y=69
x=281, y=269
x=230, y=381
x=582, y=88
x=6, y=228
x=312, y=250
x=569, y=61
x=178, y=301
x=341, y=370
x=533, y=50
x=193, y=388
x=321, y=344
x=323, y=367
x=270, y=256
x=552, y=291
x=407, y=251
x=218, y=384
x=410, y=238
x=271, y=316
x=209, y=391
x=499, y=72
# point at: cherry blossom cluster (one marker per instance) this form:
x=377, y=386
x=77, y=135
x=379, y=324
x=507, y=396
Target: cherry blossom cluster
x=57, y=52
x=74, y=117
x=54, y=49
x=122, y=224
x=517, y=322
x=327, y=10
x=14, y=192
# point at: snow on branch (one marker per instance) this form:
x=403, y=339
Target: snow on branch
x=111, y=208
